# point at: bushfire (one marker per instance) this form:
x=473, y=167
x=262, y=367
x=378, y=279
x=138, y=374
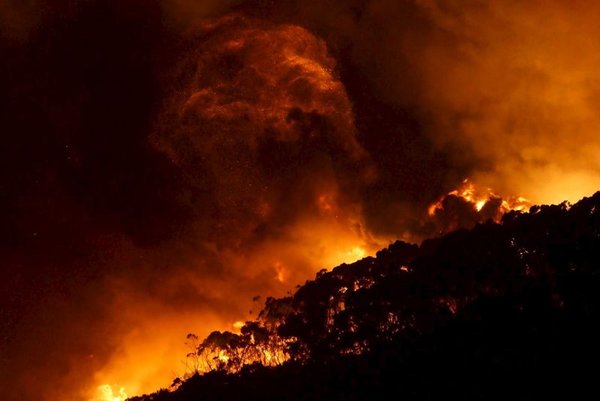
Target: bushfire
x=107, y=393
x=166, y=165
x=480, y=198
x=467, y=205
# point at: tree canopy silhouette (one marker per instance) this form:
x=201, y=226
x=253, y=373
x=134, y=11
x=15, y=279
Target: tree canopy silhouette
x=501, y=310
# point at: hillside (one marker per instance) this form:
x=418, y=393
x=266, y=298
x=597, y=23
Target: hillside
x=501, y=311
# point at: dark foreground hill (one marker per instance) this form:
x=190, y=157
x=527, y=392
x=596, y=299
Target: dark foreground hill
x=504, y=311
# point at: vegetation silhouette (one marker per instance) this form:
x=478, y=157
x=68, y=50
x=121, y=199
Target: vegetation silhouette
x=500, y=311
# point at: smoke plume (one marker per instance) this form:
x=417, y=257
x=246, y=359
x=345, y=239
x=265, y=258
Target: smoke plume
x=166, y=162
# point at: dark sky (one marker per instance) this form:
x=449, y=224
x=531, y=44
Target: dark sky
x=164, y=162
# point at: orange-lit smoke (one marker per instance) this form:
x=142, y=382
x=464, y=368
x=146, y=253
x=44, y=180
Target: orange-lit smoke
x=511, y=86
x=264, y=131
x=265, y=123
x=468, y=205
x=479, y=199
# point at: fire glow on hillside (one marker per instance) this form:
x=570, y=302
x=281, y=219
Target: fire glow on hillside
x=480, y=201
x=168, y=165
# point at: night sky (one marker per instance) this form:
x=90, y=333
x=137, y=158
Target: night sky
x=163, y=162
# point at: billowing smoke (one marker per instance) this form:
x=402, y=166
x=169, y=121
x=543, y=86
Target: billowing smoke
x=507, y=89
x=513, y=83
x=262, y=133
x=264, y=127
x=233, y=183
x=503, y=93
x=165, y=162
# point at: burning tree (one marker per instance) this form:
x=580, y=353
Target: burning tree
x=510, y=303
x=409, y=291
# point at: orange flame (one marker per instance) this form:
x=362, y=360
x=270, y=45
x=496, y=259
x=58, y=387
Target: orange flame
x=479, y=199
x=105, y=392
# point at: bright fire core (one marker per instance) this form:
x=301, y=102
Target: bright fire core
x=479, y=198
x=336, y=245
x=107, y=393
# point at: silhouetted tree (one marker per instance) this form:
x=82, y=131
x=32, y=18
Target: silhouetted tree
x=500, y=311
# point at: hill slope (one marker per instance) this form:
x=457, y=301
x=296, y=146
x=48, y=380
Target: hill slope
x=501, y=311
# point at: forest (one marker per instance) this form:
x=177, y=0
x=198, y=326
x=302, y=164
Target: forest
x=504, y=310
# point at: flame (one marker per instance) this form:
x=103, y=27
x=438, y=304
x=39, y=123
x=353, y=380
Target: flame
x=152, y=354
x=355, y=254
x=285, y=94
x=466, y=191
x=105, y=392
x=281, y=272
x=479, y=199
x=223, y=357
x=479, y=204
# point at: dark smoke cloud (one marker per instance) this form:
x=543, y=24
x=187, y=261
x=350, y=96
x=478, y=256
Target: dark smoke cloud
x=17, y=19
x=503, y=93
x=261, y=99
x=506, y=91
x=163, y=162
x=118, y=245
